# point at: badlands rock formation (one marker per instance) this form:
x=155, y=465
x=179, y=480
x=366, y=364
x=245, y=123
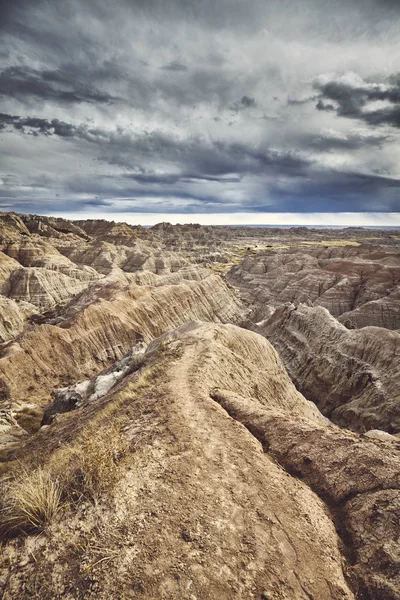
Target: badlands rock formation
x=34, y=278
x=348, y=365
x=352, y=375
x=64, y=320
x=360, y=285
x=226, y=487
x=162, y=451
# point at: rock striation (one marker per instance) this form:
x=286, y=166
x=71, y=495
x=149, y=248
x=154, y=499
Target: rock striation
x=359, y=285
x=352, y=375
x=100, y=327
x=232, y=485
x=165, y=452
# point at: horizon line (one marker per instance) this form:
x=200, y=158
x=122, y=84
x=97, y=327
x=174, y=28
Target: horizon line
x=265, y=219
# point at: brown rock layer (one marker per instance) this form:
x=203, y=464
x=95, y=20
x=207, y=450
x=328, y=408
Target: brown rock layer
x=231, y=489
x=359, y=284
x=352, y=375
x=205, y=511
x=100, y=332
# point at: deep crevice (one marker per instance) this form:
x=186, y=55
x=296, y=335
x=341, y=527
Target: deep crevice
x=335, y=510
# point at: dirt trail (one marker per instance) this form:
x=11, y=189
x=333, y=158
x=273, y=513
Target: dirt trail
x=211, y=503
x=269, y=524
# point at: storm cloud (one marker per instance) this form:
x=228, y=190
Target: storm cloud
x=356, y=99
x=189, y=107
x=47, y=84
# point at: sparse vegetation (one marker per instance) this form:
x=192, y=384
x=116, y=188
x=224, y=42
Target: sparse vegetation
x=90, y=469
x=30, y=501
x=85, y=470
x=331, y=243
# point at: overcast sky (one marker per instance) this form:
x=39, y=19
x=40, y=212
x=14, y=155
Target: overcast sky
x=158, y=108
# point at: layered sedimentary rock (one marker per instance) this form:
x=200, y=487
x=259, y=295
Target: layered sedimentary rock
x=382, y=312
x=35, y=278
x=348, y=365
x=105, y=256
x=43, y=288
x=100, y=327
x=357, y=284
x=352, y=375
x=230, y=486
x=37, y=253
x=195, y=468
x=52, y=227
x=13, y=317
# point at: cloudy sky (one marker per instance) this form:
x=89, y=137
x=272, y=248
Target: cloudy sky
x=213, y=110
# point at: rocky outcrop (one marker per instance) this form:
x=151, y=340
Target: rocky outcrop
x=100, y=327
x=13, y=317
x=352, y=375
x=43, y=288
x=348, y=365
x=382, y=312
x=232, y=485
x=7, y=267
x=109, y=231
x=105, y=256
x=358, y=284
x=11, y=226
x=40, y=254
x=35, y=278
x=52, y=227
x=79, y=394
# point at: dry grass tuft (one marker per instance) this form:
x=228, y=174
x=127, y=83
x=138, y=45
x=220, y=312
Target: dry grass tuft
x=87, y=469
x=30, y=502
x=91, y=469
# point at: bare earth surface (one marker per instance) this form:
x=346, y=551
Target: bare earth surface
x=200, y=412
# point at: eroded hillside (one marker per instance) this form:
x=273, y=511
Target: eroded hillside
x=153, y=446
x=332, y=312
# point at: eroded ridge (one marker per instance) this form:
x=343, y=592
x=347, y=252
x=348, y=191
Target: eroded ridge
x=152, y=448
x=229, y=483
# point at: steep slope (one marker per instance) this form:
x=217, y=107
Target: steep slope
x=352, y=375
x=43, y=288
x=348, y=365
x=196, y=506
x=14, y=316
x=35, y=278
x=99, y=327
x=357, y=284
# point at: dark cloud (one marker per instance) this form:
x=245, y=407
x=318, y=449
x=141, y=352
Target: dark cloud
x=323, y=106
x=351, y=141
x=352, y=100
x=247, y=102
x=96, y=203
x=197, y=159
x=184, y=106
x=36, y=126
x=243, y=103
x=200, y=160
x=53, y=85
x=175, y=66
x=294, y=101
x=339, y=190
